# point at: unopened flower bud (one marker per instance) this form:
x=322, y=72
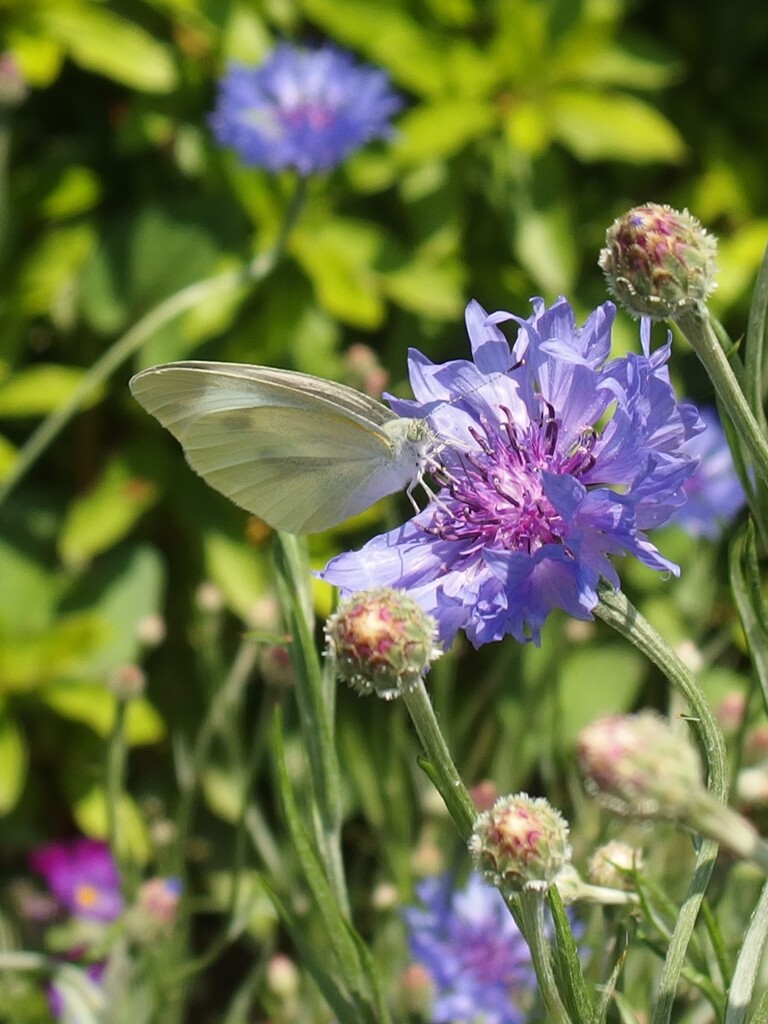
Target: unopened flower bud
x=282, y=977
x=382, y=641
x=364, y=371
x=13, y=88
x=416, y=991
x=159, y=900
x=484, y=794
x=150, y=630
x=127, y=682
x=658, y=262
x=613, y=864
x=521, y=843
x=639, y=767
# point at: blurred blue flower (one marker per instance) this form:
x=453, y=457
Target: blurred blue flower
x=477, y=959
x=81, y=874
x=714, y=492
x=553, y=458
x=305, y=109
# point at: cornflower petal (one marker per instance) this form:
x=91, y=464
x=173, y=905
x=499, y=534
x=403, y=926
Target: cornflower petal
x=302, y=109
x=553, y=459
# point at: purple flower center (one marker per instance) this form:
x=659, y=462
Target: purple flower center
x=497, y=499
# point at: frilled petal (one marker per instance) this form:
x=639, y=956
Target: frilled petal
x=550, y=461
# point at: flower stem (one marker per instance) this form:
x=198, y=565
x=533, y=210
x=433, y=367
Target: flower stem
x=615, y=609
x=698, y=331
x=531, y=904
x=114, y=785
x=441, y=770
x=187, y=298
x=748, y=964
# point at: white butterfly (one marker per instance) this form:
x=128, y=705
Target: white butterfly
x=300, y=452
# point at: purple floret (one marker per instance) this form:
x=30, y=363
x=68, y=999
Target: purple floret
x=554, y=458
x=477, y=959
x=81, y=874
x=302, y=109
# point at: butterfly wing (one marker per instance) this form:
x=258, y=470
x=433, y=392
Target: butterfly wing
x=298, y=457
x=177, y=393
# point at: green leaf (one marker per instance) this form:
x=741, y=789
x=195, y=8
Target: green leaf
x=93, y=705
x=39, y=58
x=7, y=456
x=89, y=808
x=389, y=37
x=612, y=126
x=222, y=793
x=34, y=591
x=49, y=273
x=145, y=256
x=338, y=258
x=39, y=390
x=544, y=246
x=440, y=130
x=594, y=682
x=77, y=190
x=121, y=589
x=13, y=760
x=433, y=289
x=29, y=660
x=101, y=41
x=237, y=570
x=104, y=515
x=314, y=875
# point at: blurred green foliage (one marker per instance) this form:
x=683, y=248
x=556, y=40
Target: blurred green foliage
x=528, y=125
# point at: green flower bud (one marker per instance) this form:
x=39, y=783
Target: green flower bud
x=521, y=843
x=381, y=641
x=658, y=262
x=639, y=767
x=613, y=864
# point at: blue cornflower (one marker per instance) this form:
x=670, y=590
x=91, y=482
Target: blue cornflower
x=305, y=109
x=553, y=458
x=714, y=492
x=478, y=961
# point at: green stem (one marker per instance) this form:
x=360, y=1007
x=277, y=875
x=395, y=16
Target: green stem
x=315, y=705
x=225, y=700
x=442, y=769
x=187, y=298
x=531, y=906
x=114, y=786
x=614, y=608
x=748, y=964
x=697, y=329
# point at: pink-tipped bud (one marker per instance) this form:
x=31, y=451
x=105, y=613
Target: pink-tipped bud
x=127, y=682
x=613, y=865
x=416, y=991
x=521, y=843
x=638, y=766
x=382, y=642
x=658, y=262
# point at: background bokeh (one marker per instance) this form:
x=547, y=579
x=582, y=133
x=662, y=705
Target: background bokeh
x=526, y=128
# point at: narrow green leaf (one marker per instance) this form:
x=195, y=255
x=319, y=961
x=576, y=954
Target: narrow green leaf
x=605, y=126
x=331, y=992
x=38, y=390
x=747, y=593
x=13, y=760
x=101, y=41
x=754, y=343
x=103, y=515
x=335, y=925
x=315, y=700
